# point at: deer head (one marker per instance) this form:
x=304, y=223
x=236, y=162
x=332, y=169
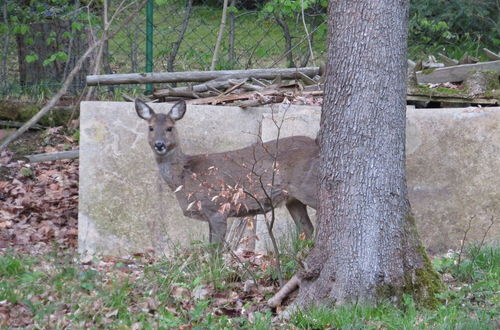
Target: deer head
x=162, y=135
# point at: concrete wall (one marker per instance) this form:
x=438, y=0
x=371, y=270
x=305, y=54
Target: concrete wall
x=453, y=165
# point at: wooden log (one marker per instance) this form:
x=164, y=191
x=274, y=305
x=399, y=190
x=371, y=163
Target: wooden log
x=455, y=73
x=197, y=76
x=259, y=101
x=446, y=60
x=51, y=156
x=491, y=55
x=8, y=123
x=468, y=59
x=452, y=99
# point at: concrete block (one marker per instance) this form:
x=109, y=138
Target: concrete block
x=124, y=204
x=453, y=172
x=453, y=164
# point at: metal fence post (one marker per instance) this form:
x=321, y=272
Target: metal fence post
x=149, y=42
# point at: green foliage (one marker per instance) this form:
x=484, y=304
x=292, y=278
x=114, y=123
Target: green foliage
x=453, y=27
x=27, y=172
x=11, y=266
x=476, y=264
x=290, y=8
x=59, y=56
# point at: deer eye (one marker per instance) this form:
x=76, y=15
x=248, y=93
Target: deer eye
x=169, y=129
x=151, y=128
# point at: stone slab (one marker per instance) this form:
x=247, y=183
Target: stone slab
x=124, y=204
x=453, y=172
x=453, y=165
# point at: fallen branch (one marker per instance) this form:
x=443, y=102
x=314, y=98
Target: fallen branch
x=491, y=55
x=197, y=76
x=18, y=124
x=447, y=61
x=51, y=156
x=67, y=82
x=259, y=101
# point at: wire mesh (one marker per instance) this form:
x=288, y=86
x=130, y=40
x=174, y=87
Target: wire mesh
x=257, y=34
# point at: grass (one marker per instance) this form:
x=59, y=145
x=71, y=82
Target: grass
x=258, y=41
x=196, y=289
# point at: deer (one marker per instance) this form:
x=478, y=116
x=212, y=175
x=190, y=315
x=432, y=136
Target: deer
x=246, y=182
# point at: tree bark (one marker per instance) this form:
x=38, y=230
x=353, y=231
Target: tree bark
x=367, y=248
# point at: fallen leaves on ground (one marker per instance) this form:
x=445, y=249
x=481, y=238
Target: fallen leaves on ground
x=39, y=202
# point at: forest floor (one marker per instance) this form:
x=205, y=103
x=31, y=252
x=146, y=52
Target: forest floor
x=45, y=284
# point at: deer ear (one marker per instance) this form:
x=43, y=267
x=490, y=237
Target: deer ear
x=178, y=110
x=143, y=110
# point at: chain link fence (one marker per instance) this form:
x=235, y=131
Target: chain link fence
x=41, y=40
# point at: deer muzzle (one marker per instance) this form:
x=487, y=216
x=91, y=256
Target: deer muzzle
x=160, y=147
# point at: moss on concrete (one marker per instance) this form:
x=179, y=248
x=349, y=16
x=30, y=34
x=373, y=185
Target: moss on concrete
x=24, y=111
x=441, y=91
x=52, y=118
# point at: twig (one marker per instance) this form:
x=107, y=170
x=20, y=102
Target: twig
x=236, y=85
x=462, y=244
x=66, y=83
x=492, y=221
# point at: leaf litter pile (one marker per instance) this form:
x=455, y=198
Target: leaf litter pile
x=39, y=202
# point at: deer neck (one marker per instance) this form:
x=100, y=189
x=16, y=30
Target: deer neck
x=171, y=167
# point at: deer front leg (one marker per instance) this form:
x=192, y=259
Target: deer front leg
x=217, y=224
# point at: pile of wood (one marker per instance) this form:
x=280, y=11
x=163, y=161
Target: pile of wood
x=243, y=88
x=461, y=82
x=455, y=82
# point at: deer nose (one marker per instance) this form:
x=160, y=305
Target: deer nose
x=159, y=145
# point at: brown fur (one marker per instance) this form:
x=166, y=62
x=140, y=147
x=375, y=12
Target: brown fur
x=213, y=187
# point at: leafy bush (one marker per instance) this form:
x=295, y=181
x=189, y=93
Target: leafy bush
x=453, y=26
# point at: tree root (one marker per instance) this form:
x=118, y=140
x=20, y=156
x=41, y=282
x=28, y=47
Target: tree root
x=288, y=288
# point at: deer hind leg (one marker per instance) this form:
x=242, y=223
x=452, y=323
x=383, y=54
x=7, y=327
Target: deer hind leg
x=298, y=211
x=217, y=224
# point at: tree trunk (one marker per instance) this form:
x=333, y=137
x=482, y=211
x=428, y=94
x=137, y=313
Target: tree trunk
x=232, y=31
x=367, y=247
x=288, y=39
x=177, y=44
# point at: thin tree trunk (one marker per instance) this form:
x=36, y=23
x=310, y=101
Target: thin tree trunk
x=6, y=41
x=177, y=43
x=367, y=248
x=232, y=31
x=105, y=58
x=288, y=40
x=218, y=43
x=71, y=43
